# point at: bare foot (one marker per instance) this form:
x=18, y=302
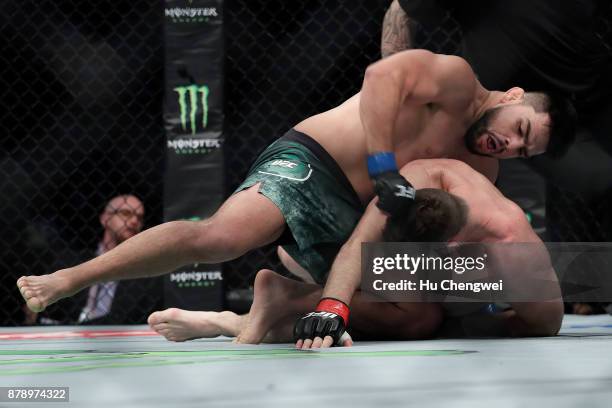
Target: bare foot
x=42, y=291
x=276, y=300
x=180, y=325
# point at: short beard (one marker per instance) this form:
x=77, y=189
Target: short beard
x=477, y=129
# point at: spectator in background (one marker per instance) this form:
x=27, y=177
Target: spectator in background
x=550, y=45
x=122, y=218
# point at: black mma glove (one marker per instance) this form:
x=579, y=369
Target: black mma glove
x=395, y=194
x=330, y=318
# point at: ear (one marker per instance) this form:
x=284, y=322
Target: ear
x=103, y=219
x=513, y=95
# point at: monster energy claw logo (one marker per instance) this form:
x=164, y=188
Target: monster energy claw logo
x=193, y=98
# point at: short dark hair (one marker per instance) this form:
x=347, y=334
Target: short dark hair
x=563, y=119
x=439, y=217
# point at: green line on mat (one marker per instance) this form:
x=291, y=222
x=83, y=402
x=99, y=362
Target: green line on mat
x=61, y=359
x=228, y=353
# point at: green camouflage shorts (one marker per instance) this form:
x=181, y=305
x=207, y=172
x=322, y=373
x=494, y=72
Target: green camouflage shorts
x=318, y=202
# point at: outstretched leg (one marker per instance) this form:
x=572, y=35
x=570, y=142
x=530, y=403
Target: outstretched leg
x=247, y=220
x=180, y=325
x=278, y=301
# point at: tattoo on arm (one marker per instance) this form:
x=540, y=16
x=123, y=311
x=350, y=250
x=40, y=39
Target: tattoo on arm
x=396, y=34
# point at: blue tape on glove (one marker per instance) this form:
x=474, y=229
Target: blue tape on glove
x=381, y=162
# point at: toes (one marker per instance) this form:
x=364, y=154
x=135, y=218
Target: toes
x=161, y=326
x=171, y=314
x=240, y=340
x=22, y=286
x=154, y=319
x=35, y=305
x=244, y=339
x=245, y=336
x=163, y=316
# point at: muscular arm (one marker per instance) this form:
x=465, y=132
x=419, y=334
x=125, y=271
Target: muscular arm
x=345, y=275
x=396, y=31
x=415, y=77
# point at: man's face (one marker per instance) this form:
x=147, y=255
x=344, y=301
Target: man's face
x=123, y=217
x=509, y=131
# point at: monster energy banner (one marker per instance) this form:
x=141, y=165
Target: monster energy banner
x=193, y=118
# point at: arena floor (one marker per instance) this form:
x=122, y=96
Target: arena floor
x=129, y=366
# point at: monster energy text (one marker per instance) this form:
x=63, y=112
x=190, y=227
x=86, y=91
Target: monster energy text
x=190, y=14
x=193, y=100
x=194, y=146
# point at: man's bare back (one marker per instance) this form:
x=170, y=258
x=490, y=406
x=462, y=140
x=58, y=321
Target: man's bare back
x=491, y=216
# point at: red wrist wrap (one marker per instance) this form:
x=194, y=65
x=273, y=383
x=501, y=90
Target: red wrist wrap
x=334, y=306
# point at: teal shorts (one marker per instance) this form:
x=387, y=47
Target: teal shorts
x=319, y=204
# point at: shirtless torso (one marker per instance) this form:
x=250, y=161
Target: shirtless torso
x=427, y=124
x=415, y=104
x=491, y=216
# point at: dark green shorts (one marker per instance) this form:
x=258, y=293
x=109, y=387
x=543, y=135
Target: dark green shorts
x=318, y=202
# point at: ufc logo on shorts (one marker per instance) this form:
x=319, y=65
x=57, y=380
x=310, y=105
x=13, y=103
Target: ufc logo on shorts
x=403, y=191
x=283, y=163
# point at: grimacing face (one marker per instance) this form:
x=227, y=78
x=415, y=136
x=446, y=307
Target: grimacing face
x=509, y=131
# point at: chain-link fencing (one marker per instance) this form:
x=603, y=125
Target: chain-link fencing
x=81, y=110
x=82, y=88
x=287, y=61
